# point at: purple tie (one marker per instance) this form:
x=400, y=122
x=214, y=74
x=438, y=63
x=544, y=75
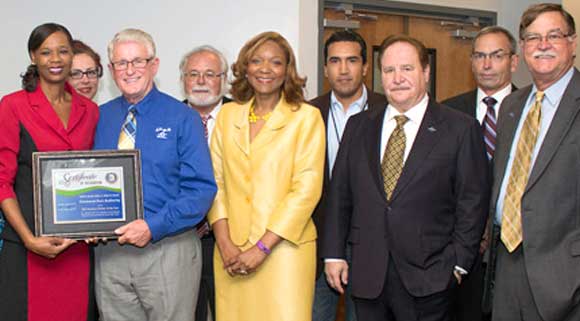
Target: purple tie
x=489, y=126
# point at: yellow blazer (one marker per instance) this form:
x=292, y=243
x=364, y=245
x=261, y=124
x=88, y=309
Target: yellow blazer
x=274, y=182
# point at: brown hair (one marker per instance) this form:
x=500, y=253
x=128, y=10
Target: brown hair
x=497, y=30
x=419, y=46
x=533, y=11
x=241, y=90
x=80, y=47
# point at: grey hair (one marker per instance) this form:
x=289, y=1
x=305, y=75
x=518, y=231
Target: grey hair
x=497, y=30
x=132, y=35
x=204, y=48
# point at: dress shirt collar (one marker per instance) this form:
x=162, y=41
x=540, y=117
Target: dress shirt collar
x=555, y=92
x=356, y=107
x=214, y=112
x=415, y=113
x=498, y=95
x=143, y=106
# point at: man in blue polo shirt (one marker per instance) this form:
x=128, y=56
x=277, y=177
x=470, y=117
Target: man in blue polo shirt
x=153, y=272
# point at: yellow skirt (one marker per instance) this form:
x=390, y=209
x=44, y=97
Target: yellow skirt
x=282, y=289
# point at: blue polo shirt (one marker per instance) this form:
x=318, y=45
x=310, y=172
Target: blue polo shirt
x=178, y=182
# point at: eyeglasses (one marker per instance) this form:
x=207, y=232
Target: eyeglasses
x=137, y=63
x=496, y=56
x=90, y=73
x=554, y=38
x=208, y=75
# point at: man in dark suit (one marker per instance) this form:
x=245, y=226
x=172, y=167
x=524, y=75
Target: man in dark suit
x=345, y=66
x=536, y=178
x=409, y=193
x=204, y=73
x=493, y=60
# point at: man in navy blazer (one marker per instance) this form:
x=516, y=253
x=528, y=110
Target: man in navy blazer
x=411, y=245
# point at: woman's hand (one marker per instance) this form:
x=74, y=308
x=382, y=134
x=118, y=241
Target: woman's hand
x=249, y=261
x=49, y=247
x=229, y=253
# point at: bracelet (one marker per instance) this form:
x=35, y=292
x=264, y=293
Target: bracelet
x=263, y=247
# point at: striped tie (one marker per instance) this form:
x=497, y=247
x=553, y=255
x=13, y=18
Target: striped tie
x=204, y=120
x=511, y=222
x=392, y=164
x=489, y=126
x=128, y=130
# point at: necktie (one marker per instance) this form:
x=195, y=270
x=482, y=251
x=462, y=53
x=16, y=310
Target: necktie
x=392, y=164
x=128, y=130
x=204, y=120
x=511, y=222
x=489, y=126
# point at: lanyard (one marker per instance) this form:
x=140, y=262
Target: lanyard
x=338, y=136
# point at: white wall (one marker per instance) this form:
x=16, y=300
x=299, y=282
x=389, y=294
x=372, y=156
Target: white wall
x=573, y=6
x=176, y=26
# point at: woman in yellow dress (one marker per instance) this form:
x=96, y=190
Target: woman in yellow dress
x=268, y=150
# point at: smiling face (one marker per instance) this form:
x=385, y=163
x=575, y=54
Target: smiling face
x=404, y=79
x=266, y=69
x=493, y=74
x=548, y=62
x=85, y=86
x=203, y=91
x=134, y=83
x=53, y=58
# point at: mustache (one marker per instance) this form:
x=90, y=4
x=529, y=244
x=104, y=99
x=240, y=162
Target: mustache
x=200, y=88
x=538, y=54
x=400, y=88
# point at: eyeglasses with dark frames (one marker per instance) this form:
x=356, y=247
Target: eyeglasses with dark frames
x=137, y=63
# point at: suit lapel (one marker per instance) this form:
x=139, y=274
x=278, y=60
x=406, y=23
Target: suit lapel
x=279, y=119
x=427, y=137
x=242, y=128
x=507, y=124
x=373, y=145
x=563, y=119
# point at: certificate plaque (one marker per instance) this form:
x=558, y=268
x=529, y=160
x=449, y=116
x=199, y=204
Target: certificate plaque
x=86, y=194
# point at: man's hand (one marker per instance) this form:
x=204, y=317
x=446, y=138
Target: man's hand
x=458, y=276
x=136, y=233
x=336, y=274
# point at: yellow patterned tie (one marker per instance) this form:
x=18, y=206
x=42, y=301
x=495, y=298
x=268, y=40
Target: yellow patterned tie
x=511, y=222
x=128, y=131
x=392, y=164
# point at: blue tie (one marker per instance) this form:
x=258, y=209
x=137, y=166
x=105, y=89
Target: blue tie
x=128, y=130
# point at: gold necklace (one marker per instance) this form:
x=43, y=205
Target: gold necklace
x=253, y=118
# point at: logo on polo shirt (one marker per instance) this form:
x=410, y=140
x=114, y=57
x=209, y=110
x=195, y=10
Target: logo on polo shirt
x=162, y=132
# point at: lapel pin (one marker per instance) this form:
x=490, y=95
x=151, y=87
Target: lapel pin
x=511, y=114
x=431, y=129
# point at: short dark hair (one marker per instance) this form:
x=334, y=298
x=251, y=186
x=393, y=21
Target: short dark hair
x=348, y=36
x=497, y=30
x=80, y=47
x=37, y=37
x=533, y=11
x=418, y=45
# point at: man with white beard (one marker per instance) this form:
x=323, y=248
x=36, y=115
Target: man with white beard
x=204, y=77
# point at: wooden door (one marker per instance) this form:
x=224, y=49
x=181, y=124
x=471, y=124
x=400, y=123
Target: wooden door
x=452, y=64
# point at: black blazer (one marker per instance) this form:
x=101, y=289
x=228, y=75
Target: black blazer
x=323, y=104
x=437, y=213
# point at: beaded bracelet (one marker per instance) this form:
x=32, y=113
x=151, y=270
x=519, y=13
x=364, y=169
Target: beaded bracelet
x=263, y=247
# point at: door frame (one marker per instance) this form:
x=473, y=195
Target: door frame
x=485, y=18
